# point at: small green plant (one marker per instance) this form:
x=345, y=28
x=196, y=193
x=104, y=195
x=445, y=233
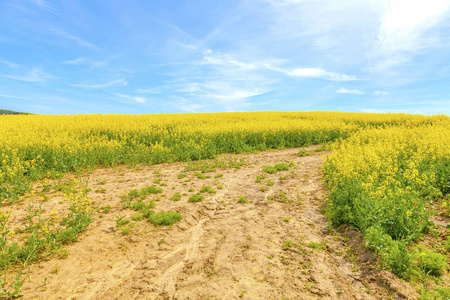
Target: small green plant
x=281, y=197
x=199, y=175
x=176, y=197
x=141, y=194
x=430, y=262
x=218, y=176
x=270, y=170
x=207, y=189
x=276, y=168
x=304, y=152
x=242, y=199
x=287, y=220
x=282, y=167
x=263, y=188
x=259, y=178
x=138, y=217
x=124, y=225
x=196, y=198
x=106, y=209
x=288, y=244
x=164, y=218
x=270, y=183
x=317, y=246
x=190, y=190
x=181, y=176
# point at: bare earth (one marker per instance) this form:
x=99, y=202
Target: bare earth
x=221, y=249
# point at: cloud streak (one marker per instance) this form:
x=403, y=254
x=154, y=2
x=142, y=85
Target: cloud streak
x=45, y=5
x=133, y=98
x=74, y=38
x=352, y=92
x=112, y=83
x=320, y=73
x=35, y=75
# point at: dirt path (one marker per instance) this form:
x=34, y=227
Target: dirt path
x=276, y=246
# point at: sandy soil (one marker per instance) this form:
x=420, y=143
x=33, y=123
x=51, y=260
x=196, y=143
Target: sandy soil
x=221, y=249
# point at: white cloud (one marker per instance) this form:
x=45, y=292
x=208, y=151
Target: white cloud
x=405, y=21
x=35, y=75
x=132, y=98
x=74, y=38
x=275, y=65
x=224, y=60
x=149, y=91
x=76, y=61
x=84, y=60
x=44, y=5
x=346, y=91
x=118, y=82
x=380, y=93
x=403, y=30
x=9, y=64
x=187, y=46
x=320, y=73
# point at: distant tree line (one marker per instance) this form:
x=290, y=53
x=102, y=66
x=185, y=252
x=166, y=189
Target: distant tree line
x=10, y=112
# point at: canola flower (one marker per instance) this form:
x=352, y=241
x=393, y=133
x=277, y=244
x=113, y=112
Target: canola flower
x=385, y=181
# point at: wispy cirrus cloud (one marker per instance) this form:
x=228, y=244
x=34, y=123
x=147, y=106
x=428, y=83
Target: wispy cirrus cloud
x=118, y=82
x=132, y=98
x=85, y=61
x=9, y=64
x=346, y=91
x=45, y=5
x=277, y=66
x=74, y=38
x=150, y=90
x=321, y=73
x=380, y=93
x=77, y=61
x=35, y=75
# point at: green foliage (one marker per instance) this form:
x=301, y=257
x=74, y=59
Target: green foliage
x=207, y=189
x=259, y=178
x=141, y=194
x=282, y=167
x=288, y=244
x=106, y=209
x=394, y=253
x=270, y=170
x=430, y=262
x=303, y=152
x=181, y=176
x=199, y=175
x=196, y=198
x=67, y=236
x=164, y=218
x=242, y=199
x=317, y=246
x=176, y=197
x=276, y=168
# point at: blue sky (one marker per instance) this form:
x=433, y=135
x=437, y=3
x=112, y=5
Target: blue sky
x=96, y=56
